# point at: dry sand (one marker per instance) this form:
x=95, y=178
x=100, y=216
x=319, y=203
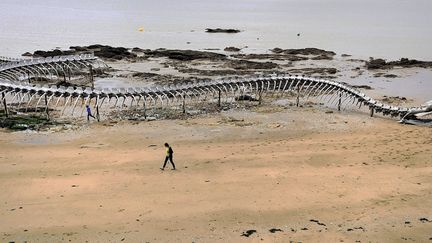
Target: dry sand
x=358, y=179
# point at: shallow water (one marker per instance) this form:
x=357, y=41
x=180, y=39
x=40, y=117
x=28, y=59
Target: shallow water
x=119, y=83
x=384, y=28
x=417, y=85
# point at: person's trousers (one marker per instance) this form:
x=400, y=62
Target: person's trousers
x=90, y=115
x=170, y=158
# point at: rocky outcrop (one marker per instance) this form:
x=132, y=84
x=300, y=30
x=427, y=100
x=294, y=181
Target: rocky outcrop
x=107, y=52
x=52, y=53
x=246, y=65
x=304, y=51
x=184, y=55
x=232, y=49
x=219, y=30
x=314, y=71
x=102, y=51
x=291, y=58
x=403, y=62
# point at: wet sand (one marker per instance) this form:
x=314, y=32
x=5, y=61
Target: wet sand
x=317, y=177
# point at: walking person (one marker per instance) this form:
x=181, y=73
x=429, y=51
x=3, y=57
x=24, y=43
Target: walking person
x=89, y=114
x=169, y=156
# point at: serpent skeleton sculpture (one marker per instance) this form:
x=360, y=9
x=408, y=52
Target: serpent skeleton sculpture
x=16, y=89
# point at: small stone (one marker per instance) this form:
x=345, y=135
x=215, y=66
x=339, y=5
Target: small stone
x=274, y=230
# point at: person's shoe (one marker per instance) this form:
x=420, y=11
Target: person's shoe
x=173, y=169
x=161, y=168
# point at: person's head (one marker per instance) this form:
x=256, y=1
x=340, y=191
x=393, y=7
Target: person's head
x=166, y=145
x=87, y=106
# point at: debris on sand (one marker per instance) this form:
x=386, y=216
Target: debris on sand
x=317, y=222
x=425, y=220
x=248, y=233
x=274, y=230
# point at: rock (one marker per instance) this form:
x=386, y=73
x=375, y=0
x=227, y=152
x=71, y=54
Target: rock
x=362, y=87
x=345, y=55
x=304, y=51
x=19, y=127
x=184, y=55
x=102, y=51
x=219, y=72
x=151, y=118
x=403, y=62
x=245, y=64
x=219, y=30
x=277, y=50
x=232, y=49
x=137, y=49
x=144, y=75
x=292, y=58
x=312, y=71
x=52, y=53
x=194, y=112
x=27, y=54
x=323, y=57
x=117, y=53
x=245, y=98
x=390, y=76
x=376, y=64
x=393, y=99
x=248, y=233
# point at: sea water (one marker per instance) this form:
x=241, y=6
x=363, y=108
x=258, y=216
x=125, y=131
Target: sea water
x=380, y=28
